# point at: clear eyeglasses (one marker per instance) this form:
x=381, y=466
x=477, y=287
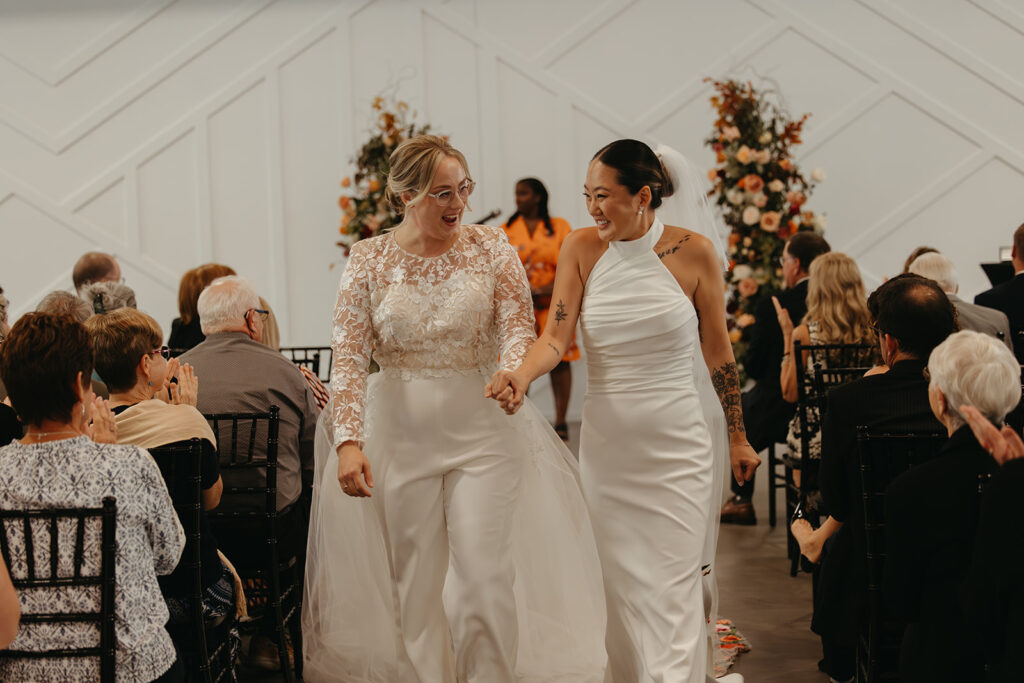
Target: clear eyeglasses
x=445, y=197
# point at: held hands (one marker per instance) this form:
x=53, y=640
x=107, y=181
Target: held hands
x=744, y=461
x=185, y=390
x=353, y=470
x=784, y=320
x=100, y=424
x=1003, y=444
x=508, y=389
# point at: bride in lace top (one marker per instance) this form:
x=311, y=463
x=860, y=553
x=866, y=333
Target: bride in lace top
x=473, y=559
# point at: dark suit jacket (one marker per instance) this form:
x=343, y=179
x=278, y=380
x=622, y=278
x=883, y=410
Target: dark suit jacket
x=896, y=402
x=1008, y=298
x=765, y=414
x=995, y=586
x=931, y=517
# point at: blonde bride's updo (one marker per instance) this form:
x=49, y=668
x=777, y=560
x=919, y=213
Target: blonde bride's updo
x=413, y=165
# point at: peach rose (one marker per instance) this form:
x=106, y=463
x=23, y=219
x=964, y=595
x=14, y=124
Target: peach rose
x=731, y=133
x=346, y=181
x=776, y=186
x=344, y=202
x=770, y=221
x=743, y=154
x=751, y=215
x=735, y=335
x=734, y=238
x=817, y=175
x=762, y=156
x=786, y=165
x=747, y=287
x=712, y=174
x=759, y=200
x=753, y=183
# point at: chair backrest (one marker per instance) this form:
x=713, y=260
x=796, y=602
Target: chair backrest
x=33, y=533
x=247, y=445
x=181, y=466
x=882, y=457
x=316, y=358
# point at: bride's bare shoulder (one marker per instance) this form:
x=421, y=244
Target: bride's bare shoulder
x=685, y=243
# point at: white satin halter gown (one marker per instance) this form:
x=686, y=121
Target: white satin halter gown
x=646, y=463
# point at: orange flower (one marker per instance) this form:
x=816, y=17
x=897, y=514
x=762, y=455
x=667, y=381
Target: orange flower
x=720, y=157
x=374, y=185
x=735, y=335
x=346, y=181
x=344, y=202
x=786, y=164
x=712, y=174
x=770, y=221
x=734, y=238
x=752, y=183
x=743, y=154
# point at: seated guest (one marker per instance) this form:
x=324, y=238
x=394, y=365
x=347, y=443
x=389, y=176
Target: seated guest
x=95, y=266
x=995, y=584
x=912, y=316
x=1009, y=296
x=765, y=415
x=240, y=374
x=186, y=331
x=105, y=297
x=151, y=411
x=65, y=303
x=920, y=251
x=932, y=510
x=45, y=363
x=272, y=338
x=935, y=266
x=10, y=609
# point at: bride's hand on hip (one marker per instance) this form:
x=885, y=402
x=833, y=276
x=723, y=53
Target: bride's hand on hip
x=508, y=389
x=744, y=461
x=354, y=471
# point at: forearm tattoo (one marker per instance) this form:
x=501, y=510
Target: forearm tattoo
x=560, y=313
x=726, y=381
x=555, y=349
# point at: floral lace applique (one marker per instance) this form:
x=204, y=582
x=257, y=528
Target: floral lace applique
x=426, y=317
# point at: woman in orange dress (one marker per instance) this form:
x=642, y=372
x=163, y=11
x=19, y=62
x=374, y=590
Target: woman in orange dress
x=538, y=238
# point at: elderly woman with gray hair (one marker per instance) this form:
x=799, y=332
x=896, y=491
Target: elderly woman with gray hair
x=932, y=510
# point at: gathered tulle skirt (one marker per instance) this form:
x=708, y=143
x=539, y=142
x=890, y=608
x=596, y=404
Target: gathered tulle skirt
x=351, y=611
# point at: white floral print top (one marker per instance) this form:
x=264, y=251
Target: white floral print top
x=426, y=316
x=80, y=473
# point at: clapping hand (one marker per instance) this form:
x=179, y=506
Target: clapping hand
x=785, y=322
x=1003, y=444
x=186, y=389
x=100, y=424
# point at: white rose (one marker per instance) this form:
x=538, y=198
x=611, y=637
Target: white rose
x=776, y=186
x=759, y=200
x=751, y=215
x=734, y=197
x=741, y=271
x=765, y=138
x=817, y=175
x=820, y=223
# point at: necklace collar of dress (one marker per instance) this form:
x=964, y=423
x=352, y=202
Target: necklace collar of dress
x=644, y=243
x=393, y=236
x=67, y=433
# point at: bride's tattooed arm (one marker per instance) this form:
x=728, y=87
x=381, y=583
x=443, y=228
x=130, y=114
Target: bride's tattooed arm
x=726, y=381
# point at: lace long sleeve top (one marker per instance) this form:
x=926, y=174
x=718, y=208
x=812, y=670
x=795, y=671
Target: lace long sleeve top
x=426, y=316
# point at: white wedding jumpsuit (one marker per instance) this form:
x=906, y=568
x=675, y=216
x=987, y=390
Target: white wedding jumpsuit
x=474, y=560
x=646, y=463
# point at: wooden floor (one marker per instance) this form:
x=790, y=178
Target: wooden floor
x=771, y=609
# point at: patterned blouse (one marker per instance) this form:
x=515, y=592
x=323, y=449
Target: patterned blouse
x=80, y=473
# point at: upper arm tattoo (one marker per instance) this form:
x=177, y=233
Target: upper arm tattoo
x=560, y=313
x=726, y=381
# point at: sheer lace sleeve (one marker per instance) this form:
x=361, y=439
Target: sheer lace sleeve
x=352, y=343
x=513, y=306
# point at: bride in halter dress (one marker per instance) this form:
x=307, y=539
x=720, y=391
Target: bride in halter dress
x=650, y=303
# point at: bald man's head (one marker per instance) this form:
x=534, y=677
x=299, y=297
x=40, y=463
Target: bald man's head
x=95, y=266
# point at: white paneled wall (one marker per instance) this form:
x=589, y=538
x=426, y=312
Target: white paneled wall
x=175, y=133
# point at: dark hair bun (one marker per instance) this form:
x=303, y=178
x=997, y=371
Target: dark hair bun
x=637, y=165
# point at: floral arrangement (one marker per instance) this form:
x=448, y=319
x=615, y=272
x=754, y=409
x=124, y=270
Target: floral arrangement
x=365, y=211
x=759, y=190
